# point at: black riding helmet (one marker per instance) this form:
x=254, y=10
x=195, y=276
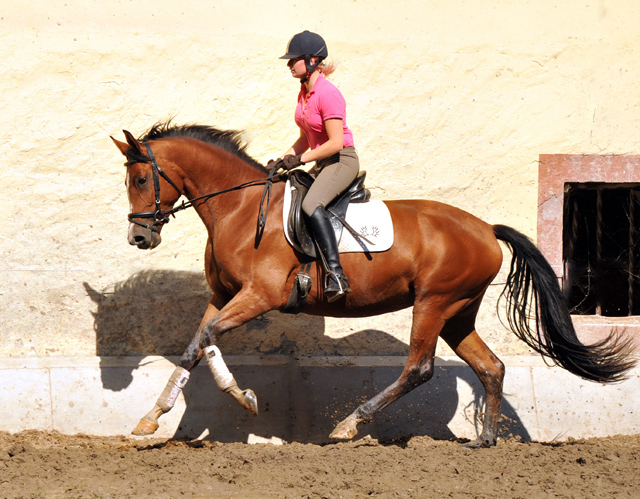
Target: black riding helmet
x=307, y=44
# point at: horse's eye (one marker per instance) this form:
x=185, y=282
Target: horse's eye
x=142, y=181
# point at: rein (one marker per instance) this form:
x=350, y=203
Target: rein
x=161, y=216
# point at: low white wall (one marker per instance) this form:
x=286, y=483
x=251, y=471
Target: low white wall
x=302, y=398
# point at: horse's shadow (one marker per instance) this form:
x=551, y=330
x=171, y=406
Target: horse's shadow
x=158, y=312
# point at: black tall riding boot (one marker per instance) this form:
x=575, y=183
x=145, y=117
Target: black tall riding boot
x=336, y=284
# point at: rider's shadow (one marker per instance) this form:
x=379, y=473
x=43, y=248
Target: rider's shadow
x=158, y=312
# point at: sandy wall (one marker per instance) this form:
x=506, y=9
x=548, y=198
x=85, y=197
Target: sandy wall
x=452, y=101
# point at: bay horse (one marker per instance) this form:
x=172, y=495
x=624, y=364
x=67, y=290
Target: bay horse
x=441, y=263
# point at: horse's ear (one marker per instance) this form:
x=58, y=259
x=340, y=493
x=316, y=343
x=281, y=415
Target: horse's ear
x=123, y=146
x=95, y=295
x=131, y=140
x=131, y=143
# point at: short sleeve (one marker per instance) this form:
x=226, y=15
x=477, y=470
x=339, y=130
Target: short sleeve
x=333, y=105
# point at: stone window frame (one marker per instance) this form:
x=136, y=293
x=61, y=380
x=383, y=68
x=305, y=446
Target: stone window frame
x=554, y=171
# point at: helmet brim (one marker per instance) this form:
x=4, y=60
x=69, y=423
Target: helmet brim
x=290, y=56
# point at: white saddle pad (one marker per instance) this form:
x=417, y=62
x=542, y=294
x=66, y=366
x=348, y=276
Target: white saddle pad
x=371, y=220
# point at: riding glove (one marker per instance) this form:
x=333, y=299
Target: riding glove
x=290, y=161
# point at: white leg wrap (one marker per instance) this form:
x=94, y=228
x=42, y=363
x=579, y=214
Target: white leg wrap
x=222, y=375
x=175, y=385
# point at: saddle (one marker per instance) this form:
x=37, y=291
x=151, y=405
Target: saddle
x=301, y=238
x=371, y=217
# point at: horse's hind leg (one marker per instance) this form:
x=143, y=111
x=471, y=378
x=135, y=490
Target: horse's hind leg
x=461, y=336
x=426, y=327
x=190, y=358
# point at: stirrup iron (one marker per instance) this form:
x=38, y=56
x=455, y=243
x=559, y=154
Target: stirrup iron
x=335, y=286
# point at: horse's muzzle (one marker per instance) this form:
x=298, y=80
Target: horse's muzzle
x=143, y=238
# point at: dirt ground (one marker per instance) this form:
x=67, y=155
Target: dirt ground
x=50, y=465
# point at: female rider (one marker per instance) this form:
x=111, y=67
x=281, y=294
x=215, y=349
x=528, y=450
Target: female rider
x=325, y=139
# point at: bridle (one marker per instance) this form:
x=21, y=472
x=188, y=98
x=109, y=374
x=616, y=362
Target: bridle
x=161, y=217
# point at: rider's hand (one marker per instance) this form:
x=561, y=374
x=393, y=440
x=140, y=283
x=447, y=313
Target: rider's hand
x=274, y=163
x=290, y=161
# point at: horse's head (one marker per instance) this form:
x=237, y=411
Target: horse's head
x=152, y=192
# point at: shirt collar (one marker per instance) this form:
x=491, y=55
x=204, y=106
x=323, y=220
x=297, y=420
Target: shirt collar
x=320, y=81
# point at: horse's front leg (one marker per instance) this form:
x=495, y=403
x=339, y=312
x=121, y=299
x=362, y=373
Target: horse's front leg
x=244, y=307
x=227, y=383
x=190, y=358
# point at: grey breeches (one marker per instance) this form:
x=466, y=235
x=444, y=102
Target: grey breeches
x=333, y=175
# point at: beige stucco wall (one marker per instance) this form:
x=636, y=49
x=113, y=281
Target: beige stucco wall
x=447, y=100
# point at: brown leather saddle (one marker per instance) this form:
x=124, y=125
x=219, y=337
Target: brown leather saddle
x=301, y=181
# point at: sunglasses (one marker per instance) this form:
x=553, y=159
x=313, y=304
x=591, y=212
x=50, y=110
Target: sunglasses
x=291, y=62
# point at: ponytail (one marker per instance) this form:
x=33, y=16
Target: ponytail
x=327, y=68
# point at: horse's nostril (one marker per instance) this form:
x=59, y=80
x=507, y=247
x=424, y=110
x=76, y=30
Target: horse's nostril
x=139, y=239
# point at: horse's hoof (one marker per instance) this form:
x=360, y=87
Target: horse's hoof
x=145, y=428
x=480, y=443
x=250, y=402
x=345, y=430
x=246, y=398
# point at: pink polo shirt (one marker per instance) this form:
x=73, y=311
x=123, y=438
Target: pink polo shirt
x=324, y=102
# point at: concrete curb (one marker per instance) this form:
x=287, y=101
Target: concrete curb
x=302, y=398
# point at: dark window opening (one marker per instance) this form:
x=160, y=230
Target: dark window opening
x=601, y=248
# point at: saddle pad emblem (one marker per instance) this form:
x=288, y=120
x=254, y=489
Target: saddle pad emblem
x=371, y=220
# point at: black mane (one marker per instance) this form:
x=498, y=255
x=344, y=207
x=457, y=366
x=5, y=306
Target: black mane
x=229, y=140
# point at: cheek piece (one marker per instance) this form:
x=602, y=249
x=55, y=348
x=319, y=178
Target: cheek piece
x=310, y=67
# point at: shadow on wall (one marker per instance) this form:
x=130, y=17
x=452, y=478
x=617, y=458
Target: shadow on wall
x=158, y=313
x=151, y=313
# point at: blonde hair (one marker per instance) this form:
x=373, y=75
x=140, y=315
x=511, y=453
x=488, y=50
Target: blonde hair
x=327, y=68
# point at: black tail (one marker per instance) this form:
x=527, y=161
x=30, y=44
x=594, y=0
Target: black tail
x=532, y=291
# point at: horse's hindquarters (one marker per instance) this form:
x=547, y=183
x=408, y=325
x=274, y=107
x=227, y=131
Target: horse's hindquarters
x=439, y=253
